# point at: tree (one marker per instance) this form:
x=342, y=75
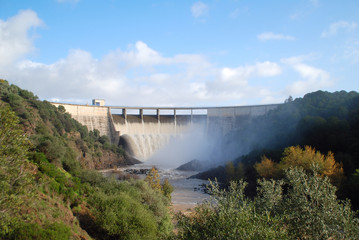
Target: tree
x=153, y=178
x=302, y=205
x=305, y=158
x=230, y=171
x=311, y=209
x=267, y=168
x=61, y=109
x=289, y=99
x=167, y=189
x=14, y=146
x=240, y=172
x=353, y=187
x=229, y=215
x=326, y=165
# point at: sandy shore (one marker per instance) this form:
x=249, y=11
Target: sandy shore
x=184, y=208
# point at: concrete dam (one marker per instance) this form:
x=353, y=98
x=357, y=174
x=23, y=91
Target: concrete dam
x=143, y=131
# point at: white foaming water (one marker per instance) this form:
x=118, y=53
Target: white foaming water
x=145, y=145
x=144, y=139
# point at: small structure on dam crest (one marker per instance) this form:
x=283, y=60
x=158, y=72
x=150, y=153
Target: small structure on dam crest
x=98, y=102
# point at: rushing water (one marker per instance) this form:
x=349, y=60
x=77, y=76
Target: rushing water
x=143, y=146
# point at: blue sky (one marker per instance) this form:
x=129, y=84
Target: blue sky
x=179, y=53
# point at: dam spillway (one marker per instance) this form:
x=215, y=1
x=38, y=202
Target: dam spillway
x=145, y=130
x=167, y=122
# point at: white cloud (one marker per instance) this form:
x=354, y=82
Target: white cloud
x=122, y=77
x=235, y=83
x=300, y=58
x=137, y=55
x=239, y=76
x=199, y=9
x=140, y=75
x=309, y=72
x=312, y=78
x=14, y=39
x=129, y=78
x=235, y=77
x=339, y=26
x=272, y=36
x=268, y=69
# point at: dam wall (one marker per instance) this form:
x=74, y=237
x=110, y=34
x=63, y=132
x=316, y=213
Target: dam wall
x=221, y=120
x=144, y=130
x=93, y=117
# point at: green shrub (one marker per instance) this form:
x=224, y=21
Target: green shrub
x=14, y=178
x=307, y=209
x=82, y=129
x=229, y=216
x=311, y=209
x=27, y=94
x=122, y=216
x=93, y=178
x=32, y=231
x=167, y=189
x=130, y=209
x=104, y=139
x=60, y=181
x=156, y=202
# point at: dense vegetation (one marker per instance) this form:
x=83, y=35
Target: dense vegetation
x=55, y=133
x=302, y=205
x=47, y=187
x=328, y=122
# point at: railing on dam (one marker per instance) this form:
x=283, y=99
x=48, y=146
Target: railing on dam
x=209, y=112
x=164, y=111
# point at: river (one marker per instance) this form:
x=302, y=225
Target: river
x=188, y=192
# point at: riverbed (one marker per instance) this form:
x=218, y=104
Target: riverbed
x=188, y=192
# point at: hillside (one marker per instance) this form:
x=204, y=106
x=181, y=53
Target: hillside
x=54, y=132
x=48, y=187
x=325, y=121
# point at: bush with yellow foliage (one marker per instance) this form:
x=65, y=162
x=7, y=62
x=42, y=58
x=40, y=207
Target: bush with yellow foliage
x=153, y=178
x=306, y=158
